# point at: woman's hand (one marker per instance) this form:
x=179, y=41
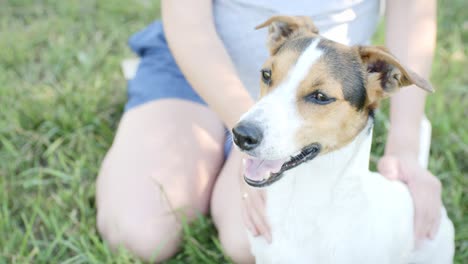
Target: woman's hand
x=254, y=210
x=424, y=187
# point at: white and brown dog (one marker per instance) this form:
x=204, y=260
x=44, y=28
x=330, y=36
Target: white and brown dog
x=309, y=140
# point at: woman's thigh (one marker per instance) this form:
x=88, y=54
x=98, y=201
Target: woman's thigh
x=161, y=167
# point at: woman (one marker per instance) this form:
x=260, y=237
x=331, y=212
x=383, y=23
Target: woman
x=171, y=158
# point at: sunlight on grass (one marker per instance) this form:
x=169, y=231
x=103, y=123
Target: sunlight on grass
x=62, y=94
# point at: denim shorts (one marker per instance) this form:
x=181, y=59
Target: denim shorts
x=158, y=76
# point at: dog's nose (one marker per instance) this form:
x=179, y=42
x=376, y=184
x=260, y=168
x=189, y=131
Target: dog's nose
x=247, y=136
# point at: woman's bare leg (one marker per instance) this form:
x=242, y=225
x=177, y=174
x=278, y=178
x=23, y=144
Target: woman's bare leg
x=226, y=211
x=165, y=158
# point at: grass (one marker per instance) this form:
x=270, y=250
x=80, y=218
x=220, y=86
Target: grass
x=62, y=94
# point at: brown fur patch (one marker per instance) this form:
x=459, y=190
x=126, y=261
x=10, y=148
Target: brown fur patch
x=333, y=125
x=374, y=93
x=283, y=28
x=280, y=65
x=385, y=75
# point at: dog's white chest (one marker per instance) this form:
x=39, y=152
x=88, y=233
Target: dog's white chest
x=307, y=227
x=332, y=210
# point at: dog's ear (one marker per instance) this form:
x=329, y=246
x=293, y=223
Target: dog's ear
x=385, y=75
x=280, y=28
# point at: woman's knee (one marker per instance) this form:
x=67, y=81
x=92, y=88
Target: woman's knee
x=139, y=186
x=130, y=215
x=155, y=240
x=235, y=244
x=139, y=217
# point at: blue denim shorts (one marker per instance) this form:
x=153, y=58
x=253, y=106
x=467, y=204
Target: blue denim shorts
x=158, y=76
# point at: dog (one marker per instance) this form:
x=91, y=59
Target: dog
x=308, y=139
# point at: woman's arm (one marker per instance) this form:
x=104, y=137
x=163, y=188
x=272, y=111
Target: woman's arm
x=202, y=58
x=411, y=36
x=200, y=54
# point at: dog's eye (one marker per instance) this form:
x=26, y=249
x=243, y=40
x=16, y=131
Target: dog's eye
x=266, y=76
x=318, y=97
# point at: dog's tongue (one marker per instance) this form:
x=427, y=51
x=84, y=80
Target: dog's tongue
x=257, y=169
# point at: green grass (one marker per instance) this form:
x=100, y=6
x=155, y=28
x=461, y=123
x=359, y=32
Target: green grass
x=62, y=94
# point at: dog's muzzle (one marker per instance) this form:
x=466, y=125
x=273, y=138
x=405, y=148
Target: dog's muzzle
x=256, y=175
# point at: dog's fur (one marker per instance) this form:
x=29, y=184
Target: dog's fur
x=332, y=209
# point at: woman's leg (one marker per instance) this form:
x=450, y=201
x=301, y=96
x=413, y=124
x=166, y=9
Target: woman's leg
x=226, y=211
x=164, y=160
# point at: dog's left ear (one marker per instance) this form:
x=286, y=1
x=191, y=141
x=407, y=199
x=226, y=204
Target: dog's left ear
x=280, y=28
x=385, y=75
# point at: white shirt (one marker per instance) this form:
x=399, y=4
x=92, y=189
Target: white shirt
x=349, y=22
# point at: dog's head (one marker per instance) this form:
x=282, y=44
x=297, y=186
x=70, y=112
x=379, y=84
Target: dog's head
x=316, y=96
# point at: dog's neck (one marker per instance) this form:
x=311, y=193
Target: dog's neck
x=331, y=177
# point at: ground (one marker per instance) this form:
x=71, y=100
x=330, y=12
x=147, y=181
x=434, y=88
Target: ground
x=61, y=97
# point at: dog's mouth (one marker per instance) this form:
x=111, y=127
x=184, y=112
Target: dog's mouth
x=261, y=173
